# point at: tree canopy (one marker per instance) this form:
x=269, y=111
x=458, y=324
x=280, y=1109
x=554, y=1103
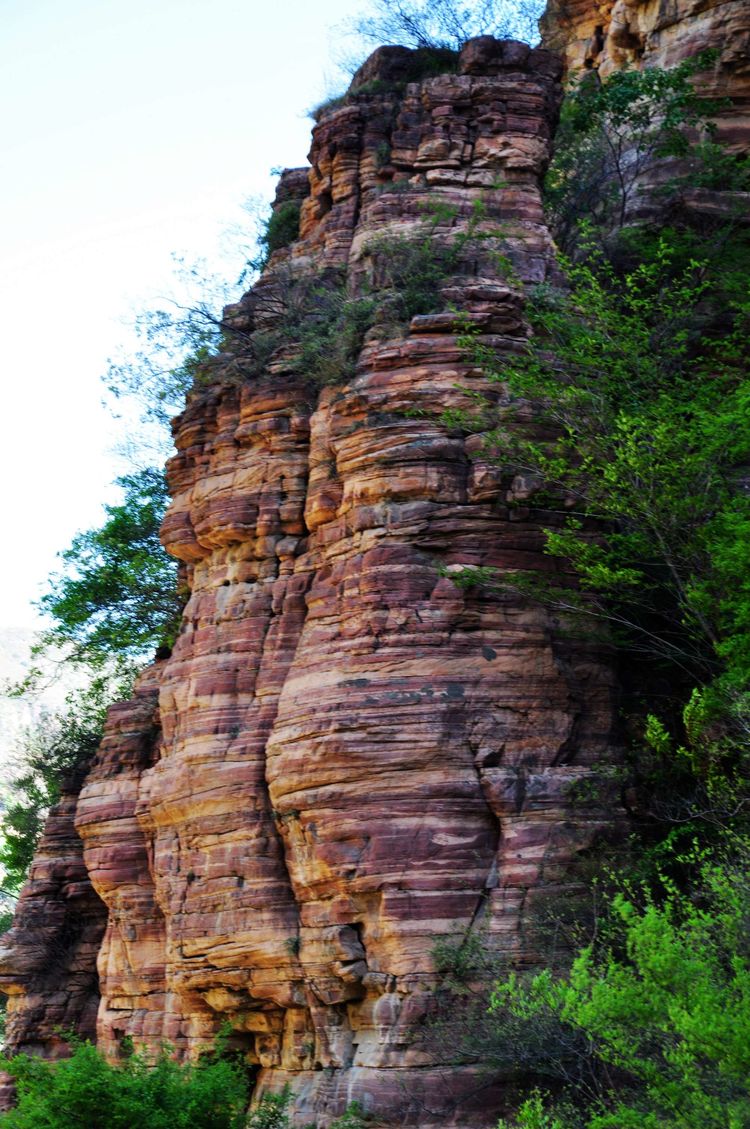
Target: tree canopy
x=117, y=598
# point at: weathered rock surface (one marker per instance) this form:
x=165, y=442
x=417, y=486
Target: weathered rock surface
x=48, y=960
x=615, y=34
x=347, y=757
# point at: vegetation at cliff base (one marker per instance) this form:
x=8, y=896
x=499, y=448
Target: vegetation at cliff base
x=84, y=1091
x=650, y=1029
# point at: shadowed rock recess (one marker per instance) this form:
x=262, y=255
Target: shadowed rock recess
x=346, y=758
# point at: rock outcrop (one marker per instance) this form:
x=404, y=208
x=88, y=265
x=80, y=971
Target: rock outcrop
x=48, y=962
x=347, y=756
x=617, y=34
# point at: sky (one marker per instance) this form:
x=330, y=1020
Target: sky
x=132, y=130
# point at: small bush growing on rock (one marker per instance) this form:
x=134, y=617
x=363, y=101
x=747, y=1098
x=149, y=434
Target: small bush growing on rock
x=281, y=230
x=353, y=1117
x=271, y=1111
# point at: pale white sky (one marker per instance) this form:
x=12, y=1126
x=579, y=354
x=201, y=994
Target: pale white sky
x=131, y=129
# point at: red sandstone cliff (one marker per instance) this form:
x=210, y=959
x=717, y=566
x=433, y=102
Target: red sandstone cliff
x=346, y=757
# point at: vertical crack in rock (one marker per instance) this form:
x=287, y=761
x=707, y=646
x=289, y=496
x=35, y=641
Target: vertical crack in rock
x=492, y=876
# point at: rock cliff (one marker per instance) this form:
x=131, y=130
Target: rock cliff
x=347, y=757
x=615, y=34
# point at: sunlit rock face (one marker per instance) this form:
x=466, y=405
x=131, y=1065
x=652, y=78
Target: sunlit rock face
x=348, y=757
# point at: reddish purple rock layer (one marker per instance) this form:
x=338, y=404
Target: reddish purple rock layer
x=48, y=957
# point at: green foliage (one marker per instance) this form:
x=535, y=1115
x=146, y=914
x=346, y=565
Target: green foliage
x=638, y=380
x=58, y=747
x=629, y=415
x=281, y=230
x=86, y=1092
x=272, y=1111
x=663, y=1019
x=410, y=274
x=316, y=325
x=533, y=1115
x=118, y=597
x=353, y=1117
x=614, y=132
x=641, y=418
x=116, y=601
x=460, y=962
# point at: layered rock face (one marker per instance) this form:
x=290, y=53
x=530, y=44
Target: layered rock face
x=616, y=34
x=48, y=962
x=347, y=757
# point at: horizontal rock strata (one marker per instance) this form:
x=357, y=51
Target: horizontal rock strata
x=617, y=34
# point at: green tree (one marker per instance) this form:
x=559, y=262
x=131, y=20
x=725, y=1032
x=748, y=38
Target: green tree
x=662, y=1015
x=640, y=423
x=614, y=133
x=86, y=1092
x=118, y=598
x=117, y=601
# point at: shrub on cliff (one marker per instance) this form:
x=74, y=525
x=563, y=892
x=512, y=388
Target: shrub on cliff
x=657, y=1018
x=86, y=1092
x=281, y=229
x=616, y=133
